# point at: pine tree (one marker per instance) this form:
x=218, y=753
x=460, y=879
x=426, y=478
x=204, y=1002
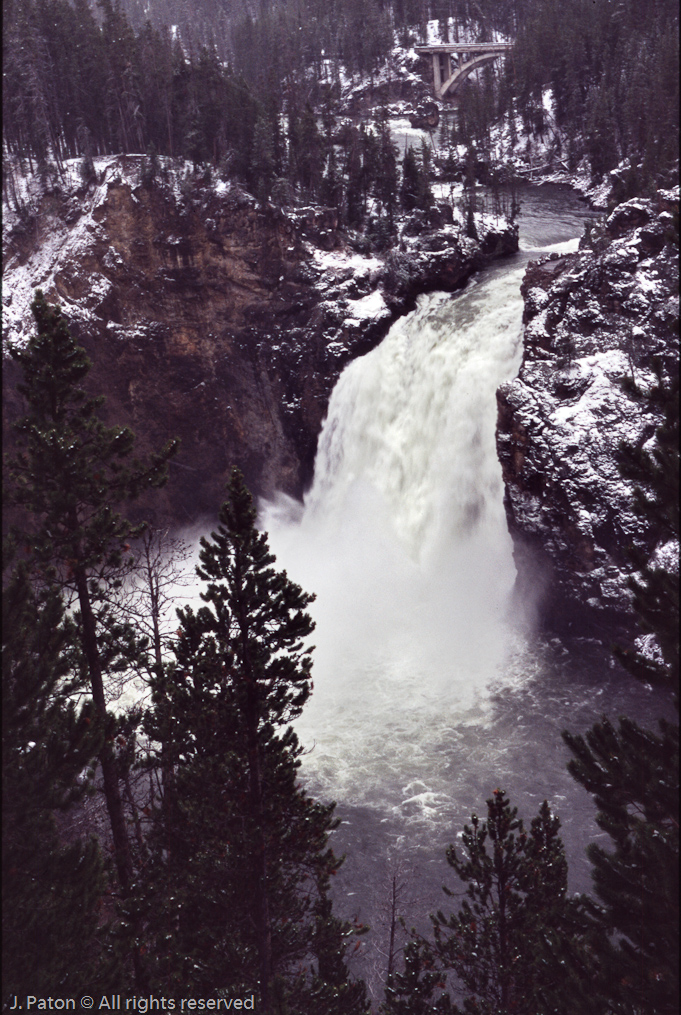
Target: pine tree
x=294, y=142
x=411, y=991
x=600, y=131
x=68, y=473
x=330, y=990
x=354, y=197
x=51, y=892
x=470, y=203
x=387, y=177
x=499, y=943
x=633, y=775
x=263, y=159
x=409, y=191
x=332, y=184
x=310, y=158
x=425, y=193
x=237, y=888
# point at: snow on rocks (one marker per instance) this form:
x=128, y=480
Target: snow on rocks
x=596, y=321
x=372, y=305
x=340, y=265
x=62, y=232
x=361, y=292
x=210, y=316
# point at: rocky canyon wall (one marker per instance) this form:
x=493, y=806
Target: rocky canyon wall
x=212, y=318
x=593, y=321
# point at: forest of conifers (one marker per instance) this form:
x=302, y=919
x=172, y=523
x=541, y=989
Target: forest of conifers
x=209, y=82
x=171, y=850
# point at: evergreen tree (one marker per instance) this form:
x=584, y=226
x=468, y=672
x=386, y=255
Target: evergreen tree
x=425, y=194
x=263, y=159
x=469, y=200
x=410, y=992
x=633, y=775
x=387, y=177
x=409, y=190
x=332, y=184
x=330, y=990
x=500, y=942
x=354, y=197
x=237, y=889
x=309, y=161
x=122, y=102
x=51, y=892
x=600, y=131
x=69, y=472
x=294, y=141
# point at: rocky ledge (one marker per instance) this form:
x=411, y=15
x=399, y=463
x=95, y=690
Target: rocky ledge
x=213, y=318
x=594, y=320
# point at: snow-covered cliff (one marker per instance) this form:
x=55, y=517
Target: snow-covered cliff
x=210, y=317
x=592, y=319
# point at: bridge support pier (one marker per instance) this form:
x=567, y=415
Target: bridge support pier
x=437, y=73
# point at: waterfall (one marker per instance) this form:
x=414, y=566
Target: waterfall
x=403, y=539
x=425, y=699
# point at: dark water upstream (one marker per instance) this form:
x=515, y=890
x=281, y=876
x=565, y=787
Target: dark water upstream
x=427, y=697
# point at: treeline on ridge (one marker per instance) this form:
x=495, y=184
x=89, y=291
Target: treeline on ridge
x=82, y=81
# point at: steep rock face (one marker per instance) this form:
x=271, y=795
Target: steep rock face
x=592, y=319
x=210, y=318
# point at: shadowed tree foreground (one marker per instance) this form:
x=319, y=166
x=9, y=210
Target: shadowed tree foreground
x=236, y=893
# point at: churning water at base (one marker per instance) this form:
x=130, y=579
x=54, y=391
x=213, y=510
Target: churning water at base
x=404, y=540
x=426, y=696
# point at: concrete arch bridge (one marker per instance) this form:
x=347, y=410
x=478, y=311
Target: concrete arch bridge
x=453, y=62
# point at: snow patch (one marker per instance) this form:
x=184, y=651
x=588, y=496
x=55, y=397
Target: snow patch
x=338, y=262
x=369, y=306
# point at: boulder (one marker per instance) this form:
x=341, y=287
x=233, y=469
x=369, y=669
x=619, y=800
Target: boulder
x=426, y=116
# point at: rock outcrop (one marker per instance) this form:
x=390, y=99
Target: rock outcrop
x=594, y=320
x=426, y=116
x=214, y=319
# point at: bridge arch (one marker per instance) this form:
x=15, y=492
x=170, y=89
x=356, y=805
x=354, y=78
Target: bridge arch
x=447, y=79
x=461, y=73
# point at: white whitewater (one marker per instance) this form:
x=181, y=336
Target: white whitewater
x=425, y=698
x=403, y=538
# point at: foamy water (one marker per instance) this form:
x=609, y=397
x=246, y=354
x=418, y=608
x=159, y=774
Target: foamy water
x=403, y=539
x=426, y=696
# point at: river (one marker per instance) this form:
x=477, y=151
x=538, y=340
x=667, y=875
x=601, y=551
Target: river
x=428, y=691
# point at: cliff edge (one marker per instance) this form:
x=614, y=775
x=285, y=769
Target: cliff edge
x=595, y=321
x=213, y=318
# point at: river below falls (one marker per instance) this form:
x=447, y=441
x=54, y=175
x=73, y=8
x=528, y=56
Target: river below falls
x=428, y=691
